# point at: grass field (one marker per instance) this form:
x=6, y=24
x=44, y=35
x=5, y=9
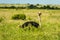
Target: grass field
x=50, y=29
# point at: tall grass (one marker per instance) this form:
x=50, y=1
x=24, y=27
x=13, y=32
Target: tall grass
x=11, y=30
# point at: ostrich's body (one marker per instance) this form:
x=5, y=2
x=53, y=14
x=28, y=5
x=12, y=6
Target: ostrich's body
x=30, y=22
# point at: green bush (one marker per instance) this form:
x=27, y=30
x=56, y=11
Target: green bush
x=1, y=19
x=19, y=16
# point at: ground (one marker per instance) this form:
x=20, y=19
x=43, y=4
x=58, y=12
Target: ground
x=49, y=30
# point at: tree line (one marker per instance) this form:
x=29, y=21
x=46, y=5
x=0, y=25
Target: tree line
x=30, y=6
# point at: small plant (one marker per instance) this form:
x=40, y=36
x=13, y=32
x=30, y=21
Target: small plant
x=1, y=19
x=19, y=16
x=29, y=18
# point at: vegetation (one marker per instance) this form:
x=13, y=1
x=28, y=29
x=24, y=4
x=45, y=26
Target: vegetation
x=1, y=19
x=19, y=16
x=30, y=6
x=50, y=28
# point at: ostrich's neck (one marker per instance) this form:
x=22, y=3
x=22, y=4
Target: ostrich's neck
x=39, y=19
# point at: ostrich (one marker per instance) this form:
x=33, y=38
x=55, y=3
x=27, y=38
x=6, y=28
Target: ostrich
x=33, y=23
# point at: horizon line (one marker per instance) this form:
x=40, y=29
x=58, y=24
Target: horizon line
x=29, y=3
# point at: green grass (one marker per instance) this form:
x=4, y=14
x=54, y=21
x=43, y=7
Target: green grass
x=50, y=29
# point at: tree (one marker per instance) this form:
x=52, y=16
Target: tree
x=32, y=6
x=37, y=4
x=48, y=7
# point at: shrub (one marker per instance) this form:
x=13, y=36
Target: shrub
x=19, y=16
x=1, y=19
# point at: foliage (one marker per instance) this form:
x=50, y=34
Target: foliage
x=37, y=4
x=19, y=16
x=1, y=19
x=31, y=6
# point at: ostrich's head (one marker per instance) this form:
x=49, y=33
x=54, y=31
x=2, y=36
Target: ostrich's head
x=39, y=13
